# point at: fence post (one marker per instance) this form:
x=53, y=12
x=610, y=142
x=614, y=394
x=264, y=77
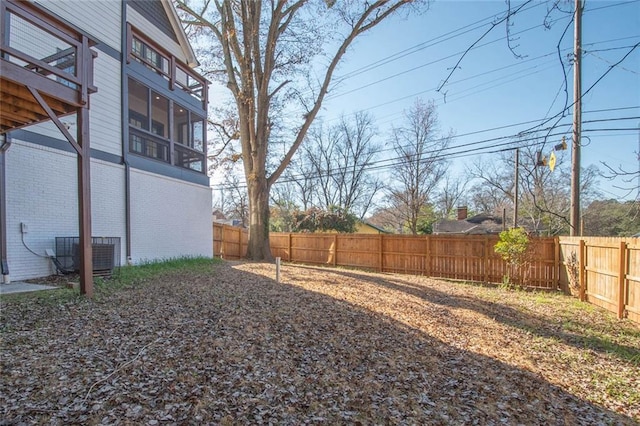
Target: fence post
x=222, y=243
x=582, y=267
x=428, y=255
x=486, y=259
x=381, y=256
x=622, y=273
x=240, y=254
x=289, y=247
x=335, y=249
x=556, y=255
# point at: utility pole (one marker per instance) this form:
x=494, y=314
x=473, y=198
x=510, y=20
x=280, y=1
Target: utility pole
x=515, y=189
x=574, y=218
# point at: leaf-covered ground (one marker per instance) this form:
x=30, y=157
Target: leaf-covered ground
x=229, y=345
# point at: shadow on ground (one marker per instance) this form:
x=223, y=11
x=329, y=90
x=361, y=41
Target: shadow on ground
x=233, y=347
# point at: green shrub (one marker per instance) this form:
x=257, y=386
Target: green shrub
x=514, y=249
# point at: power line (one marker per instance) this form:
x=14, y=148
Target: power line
x=500, y=81
x=505, y=146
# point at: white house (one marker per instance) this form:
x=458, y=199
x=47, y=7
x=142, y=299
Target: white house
x=114, y=78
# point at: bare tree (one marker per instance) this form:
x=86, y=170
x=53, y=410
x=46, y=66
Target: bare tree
x=260, y=51
x=492, y=184
x=339, y=158
x=451, y=194
x=419, y=146
x=544, y=198
x=235, y=203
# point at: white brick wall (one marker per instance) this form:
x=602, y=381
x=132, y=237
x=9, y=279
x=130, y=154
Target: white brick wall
x=170, y=218
x=42, y=192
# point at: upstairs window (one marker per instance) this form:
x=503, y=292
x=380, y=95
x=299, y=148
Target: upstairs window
x=154, y=131
x=160, y=61
x=149, y=56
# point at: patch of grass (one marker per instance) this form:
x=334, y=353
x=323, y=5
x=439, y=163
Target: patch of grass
x=137, y=274
x=127, y=276
x=622, y=342
x=48, y=297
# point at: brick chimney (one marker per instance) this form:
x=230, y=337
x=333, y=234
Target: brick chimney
x=462, y=213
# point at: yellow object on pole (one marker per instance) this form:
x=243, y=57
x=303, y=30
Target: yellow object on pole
x=552, y=161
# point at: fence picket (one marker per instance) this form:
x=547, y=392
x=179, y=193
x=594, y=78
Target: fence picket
x=607, y=270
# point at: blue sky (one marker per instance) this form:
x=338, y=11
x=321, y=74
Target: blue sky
x=407, y=58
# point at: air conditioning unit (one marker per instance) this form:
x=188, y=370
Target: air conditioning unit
x=106, y=254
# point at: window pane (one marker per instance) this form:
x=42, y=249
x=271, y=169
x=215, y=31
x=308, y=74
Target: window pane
x=180, y=125
x=197, y=132
x=159, y=115
x=138, y=105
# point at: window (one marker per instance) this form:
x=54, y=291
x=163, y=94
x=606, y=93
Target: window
x=154, y=131
x=159, y=115
x=138, y=105
x=197, y=133
x=180, y=124
x=149, y=56
x=153, y=56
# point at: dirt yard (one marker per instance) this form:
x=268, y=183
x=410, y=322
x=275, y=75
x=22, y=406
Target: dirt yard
x=229, y=345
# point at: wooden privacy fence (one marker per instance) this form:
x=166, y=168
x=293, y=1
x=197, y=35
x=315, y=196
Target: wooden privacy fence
x=229, y=242
x=601, y=271
x=459, y=257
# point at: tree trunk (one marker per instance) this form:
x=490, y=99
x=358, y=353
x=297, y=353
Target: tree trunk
x=258, y=246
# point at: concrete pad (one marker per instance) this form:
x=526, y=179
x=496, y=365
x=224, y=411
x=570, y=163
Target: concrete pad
x=22, y=287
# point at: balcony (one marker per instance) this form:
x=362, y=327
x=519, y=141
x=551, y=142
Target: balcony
x=46, y=67
x=158, y=60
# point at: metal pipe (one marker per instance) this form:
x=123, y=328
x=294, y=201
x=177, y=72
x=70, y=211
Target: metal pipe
x=124, y=86
x=4, y=263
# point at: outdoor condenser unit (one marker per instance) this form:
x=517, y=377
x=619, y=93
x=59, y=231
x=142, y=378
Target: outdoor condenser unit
x=106, y=254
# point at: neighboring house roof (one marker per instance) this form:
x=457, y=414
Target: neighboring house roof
x=218, y=215
x=363, y=227
x=480, y=224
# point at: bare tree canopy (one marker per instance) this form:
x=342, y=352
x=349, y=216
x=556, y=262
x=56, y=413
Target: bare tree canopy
x=419, y=146
x=336, y=159
x=262, y=52
x=544, y=199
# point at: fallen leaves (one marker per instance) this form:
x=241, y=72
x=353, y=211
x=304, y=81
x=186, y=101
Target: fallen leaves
x=324, y=346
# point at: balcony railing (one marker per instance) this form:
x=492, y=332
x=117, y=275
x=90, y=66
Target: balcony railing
x=42, y=53
x=189, y=158
x=144, y=143
x=160, y=61
x=33, y=41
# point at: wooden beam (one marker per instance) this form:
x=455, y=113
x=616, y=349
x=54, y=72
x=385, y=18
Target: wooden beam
x=84, y=204
x=58, y=123
x=20, y=93
x=582, y=270
x=622, y=275
x=19, y=75
x=23, y=116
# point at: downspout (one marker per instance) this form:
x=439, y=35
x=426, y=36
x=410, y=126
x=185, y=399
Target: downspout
x=4, y=263
x=125, y=130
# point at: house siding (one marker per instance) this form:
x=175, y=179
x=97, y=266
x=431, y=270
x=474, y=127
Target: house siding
x=105, y=106
x=43, y=193
x=105, y=112
x=169, y=218
x=147, y=28
x=153, y=11
x=101, y=20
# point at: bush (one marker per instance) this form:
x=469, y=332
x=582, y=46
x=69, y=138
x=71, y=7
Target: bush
x=514, y=249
